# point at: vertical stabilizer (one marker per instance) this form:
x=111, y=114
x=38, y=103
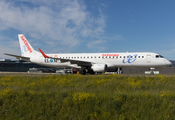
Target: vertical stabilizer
x=26, y=49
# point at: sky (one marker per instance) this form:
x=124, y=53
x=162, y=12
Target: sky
x=89, y=26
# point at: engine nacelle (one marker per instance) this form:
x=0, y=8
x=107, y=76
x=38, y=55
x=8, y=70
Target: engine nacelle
x=99, y=67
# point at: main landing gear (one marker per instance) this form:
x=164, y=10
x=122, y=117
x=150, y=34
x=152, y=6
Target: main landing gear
x=119, y=70
x=86, y=71
x=83, y=72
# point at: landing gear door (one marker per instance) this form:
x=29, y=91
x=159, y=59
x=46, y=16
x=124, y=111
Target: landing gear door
x=148, y=58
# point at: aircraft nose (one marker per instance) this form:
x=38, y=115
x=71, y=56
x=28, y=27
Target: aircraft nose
x=168, y=63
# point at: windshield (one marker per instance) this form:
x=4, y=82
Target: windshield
x=159, y=56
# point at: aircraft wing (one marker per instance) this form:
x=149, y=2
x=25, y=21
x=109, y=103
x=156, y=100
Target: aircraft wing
x=18, y=57
x=78, y=62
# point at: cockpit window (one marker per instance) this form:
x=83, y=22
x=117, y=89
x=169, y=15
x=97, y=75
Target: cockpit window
x=159, y=56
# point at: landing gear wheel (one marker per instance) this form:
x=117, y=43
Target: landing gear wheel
x=152, y=73
x=91, y=72
x=83, y=72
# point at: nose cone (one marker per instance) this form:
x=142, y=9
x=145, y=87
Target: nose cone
x=168, y=63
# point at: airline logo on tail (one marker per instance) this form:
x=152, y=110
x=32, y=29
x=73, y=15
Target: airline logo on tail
x=26, y=44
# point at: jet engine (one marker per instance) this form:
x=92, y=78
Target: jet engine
x=99, y=67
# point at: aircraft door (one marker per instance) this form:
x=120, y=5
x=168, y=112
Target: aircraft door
x=148, y=58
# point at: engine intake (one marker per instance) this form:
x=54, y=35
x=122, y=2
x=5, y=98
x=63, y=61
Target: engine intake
x=99, y=67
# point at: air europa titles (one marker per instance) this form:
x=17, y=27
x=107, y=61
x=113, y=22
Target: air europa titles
x=26, y=44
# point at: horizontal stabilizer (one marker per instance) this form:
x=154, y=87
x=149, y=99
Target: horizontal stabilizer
x=17, y=56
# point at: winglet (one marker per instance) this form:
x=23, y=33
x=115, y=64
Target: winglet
x=44, y=55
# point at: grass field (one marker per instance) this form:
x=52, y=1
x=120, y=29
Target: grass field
x=87, y=97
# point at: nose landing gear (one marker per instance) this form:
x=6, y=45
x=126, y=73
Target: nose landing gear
x=152, y=73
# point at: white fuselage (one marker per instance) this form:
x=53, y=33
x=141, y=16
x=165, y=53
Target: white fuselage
x=132, y=59
x=93, y=62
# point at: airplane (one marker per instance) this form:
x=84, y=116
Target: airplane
x=90, y=62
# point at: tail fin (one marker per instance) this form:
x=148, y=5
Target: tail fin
x=26, y=49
